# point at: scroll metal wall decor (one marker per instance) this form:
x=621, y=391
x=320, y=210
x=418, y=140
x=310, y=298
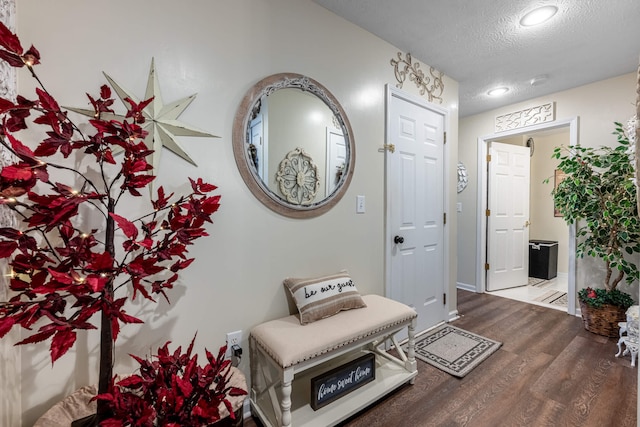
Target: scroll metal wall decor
x=527, y=117
x=431, y=85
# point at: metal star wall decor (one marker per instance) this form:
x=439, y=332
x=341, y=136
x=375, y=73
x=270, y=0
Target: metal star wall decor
x=161, y=120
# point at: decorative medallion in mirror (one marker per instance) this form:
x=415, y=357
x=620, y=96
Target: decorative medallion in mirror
x=293, y=145
x=463, y=179
x=298, y=178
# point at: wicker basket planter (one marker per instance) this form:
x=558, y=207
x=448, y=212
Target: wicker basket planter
x=603, y=320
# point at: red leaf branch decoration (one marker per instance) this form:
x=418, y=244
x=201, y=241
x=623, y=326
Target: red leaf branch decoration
x=64, y=275
x=171, y=389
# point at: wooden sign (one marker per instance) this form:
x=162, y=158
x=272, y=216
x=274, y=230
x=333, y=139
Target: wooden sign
x=332, y=385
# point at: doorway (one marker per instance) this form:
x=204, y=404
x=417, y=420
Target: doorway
x=571, y=127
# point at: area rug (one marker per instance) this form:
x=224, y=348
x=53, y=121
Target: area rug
x=454, y=350
x=538, y=283
x=553, y=297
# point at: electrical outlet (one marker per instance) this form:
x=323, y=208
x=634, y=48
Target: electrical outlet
x=233, y=338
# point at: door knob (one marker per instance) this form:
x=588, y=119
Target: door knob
x=398, y=239
x=527, y=223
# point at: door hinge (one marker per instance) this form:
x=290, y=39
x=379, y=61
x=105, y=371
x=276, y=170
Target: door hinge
x=444, y=218
x=486, y=266
x=488, y=158
x=444, y=299
x=488, y=212
x=445, y=138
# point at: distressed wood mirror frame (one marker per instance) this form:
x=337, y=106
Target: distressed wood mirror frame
x=246, y=161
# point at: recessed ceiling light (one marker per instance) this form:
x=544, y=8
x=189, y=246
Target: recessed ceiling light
x=538, y=16
x=538, y=80
x=498, y=91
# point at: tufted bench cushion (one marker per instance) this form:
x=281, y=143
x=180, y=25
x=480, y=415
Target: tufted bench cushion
x=289, y=343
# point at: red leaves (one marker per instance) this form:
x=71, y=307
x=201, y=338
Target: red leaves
x=128, y=228
x=201, y=187
x=9, y=40
x=7, y=248
x=11, y=58
x=136, y=111
x=162, y=201
x=47, y=101
x=104, y=103
x=101, y=263
x=40, y=336
x=13, y=53
x=6, y=324
x=17, y=172
x=172, y=390
x=62, y=341
x=20, y=149
x=66, y=275
x=31, y=57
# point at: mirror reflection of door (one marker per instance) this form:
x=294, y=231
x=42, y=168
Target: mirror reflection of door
x=258, y=146
x=336, y=159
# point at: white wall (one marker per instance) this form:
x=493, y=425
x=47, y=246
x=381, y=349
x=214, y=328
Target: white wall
x=219, y=49
x=544, y=225
x=597, y=105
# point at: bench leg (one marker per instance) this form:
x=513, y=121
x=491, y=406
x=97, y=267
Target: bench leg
x=285, y=402
x=411, y=364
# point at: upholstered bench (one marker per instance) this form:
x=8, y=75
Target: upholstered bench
x=286, y=355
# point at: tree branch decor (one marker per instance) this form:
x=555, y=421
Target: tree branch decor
x=599, y=194
x=63, y=274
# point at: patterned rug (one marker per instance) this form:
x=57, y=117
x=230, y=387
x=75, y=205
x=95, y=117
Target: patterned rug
x=454, y=350
x=553, y=297
x=536, y=282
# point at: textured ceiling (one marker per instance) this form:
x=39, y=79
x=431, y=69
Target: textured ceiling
x=480, y=43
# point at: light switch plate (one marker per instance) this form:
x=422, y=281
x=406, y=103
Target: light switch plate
x=360, y=208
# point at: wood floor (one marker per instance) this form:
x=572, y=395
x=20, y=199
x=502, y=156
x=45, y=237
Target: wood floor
x=548, y=372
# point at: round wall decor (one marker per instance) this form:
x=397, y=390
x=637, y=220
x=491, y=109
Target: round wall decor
x=298, y=177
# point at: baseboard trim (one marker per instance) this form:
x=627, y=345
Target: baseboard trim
x=453, y=315
x=466, y=287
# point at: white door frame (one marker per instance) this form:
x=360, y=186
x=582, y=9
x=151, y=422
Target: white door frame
x=481, y=241
x=388, y=245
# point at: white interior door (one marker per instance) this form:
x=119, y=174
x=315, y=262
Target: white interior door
x=508, y=216
x=259, y=143
x=415, y=207
x=336, y=159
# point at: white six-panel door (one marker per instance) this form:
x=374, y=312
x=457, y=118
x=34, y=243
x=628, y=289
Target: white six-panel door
x=336, y=159
x=508, y=216
x=415, y=197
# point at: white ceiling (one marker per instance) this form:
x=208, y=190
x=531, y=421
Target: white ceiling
x=480, y=43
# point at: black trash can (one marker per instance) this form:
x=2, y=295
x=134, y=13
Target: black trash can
x=543, y=259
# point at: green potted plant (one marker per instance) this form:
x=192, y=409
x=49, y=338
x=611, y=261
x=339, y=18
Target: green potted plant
x=599, y=195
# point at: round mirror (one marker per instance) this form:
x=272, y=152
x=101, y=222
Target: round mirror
x=293, y=145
